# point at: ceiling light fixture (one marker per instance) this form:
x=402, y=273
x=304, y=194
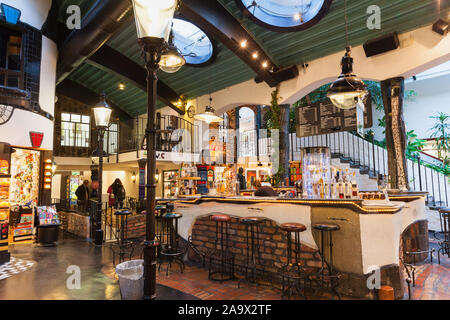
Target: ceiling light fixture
x=171, y=58
x=208, y=116
x=121, y=86
x=255, y=55
x=348, y=89
x=244, y=43
x=264, y=64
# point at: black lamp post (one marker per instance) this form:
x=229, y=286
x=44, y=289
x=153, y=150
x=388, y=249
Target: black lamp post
x=153, y=24
x=102, y=115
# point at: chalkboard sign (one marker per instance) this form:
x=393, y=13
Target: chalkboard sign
x=323, y=117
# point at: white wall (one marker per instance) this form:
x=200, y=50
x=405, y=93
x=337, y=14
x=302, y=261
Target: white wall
x=124, y=176
x=420, y=50
x=16, y=131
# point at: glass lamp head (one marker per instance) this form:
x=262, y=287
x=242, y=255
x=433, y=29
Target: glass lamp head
x=154, y=18
x=171, y=59
x=102, y=113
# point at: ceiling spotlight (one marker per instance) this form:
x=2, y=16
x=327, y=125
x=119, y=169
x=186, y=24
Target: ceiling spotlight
x=121, y=86
x=264, y=64
x=243, y=43
x=255, y=55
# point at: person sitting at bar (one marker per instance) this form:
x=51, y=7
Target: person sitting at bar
x=241, y=179
x=265, y=191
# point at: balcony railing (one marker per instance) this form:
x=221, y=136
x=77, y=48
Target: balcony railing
x=174, y=134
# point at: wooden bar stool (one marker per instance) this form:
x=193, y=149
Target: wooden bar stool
x=332, y=276
x=292, y=273
x=221, y=260
x=252, y=242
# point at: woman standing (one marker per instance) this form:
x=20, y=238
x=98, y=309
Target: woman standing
x=117, y=194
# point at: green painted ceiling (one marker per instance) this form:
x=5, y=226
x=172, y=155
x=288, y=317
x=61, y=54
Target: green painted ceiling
x=324, y=38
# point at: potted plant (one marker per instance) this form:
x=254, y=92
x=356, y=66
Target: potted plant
x=441, y=132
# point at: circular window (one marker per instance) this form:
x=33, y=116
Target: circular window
x=285, y=15
x=194, y=44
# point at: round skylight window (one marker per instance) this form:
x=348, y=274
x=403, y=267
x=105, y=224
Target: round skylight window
x=285, y=15
x=193, y=43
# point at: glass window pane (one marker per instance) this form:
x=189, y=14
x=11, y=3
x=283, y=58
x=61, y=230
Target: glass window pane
x=86, y=119
x=76, y=118
x=65, y=116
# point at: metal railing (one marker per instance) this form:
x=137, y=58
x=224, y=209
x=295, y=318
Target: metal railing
x=175, y=134
x=372, y=159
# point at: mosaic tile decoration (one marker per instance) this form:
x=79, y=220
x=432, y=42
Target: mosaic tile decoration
x=14, y=266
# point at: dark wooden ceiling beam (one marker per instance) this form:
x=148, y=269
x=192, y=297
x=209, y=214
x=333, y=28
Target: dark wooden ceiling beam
x=101, y=22
x=212, y=17
x=112, y=61
x=85, y=95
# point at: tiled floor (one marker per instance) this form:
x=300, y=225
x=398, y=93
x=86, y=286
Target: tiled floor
x=47, y=278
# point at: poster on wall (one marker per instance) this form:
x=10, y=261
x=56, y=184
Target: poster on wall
x=24, y=177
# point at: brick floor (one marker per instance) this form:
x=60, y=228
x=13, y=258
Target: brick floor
x=432, y=283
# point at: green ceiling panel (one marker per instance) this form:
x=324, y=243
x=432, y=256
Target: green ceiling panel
x=132, y=100
x=324, y=38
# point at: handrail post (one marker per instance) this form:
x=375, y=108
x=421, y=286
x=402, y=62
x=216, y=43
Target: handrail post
x=420, y=174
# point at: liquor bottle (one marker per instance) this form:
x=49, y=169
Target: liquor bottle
x=354, y=187
x=348, y=186
x=327, y=190
x=321, y=188
x=341, y=188
x=332, y=189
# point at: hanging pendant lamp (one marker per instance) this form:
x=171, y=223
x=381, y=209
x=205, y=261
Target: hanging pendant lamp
x=348, y=89
x=208, y=116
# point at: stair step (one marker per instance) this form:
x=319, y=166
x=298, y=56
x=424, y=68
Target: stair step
x=373, y=175
x=345, y=159
x=336, y=155
x=355, y=165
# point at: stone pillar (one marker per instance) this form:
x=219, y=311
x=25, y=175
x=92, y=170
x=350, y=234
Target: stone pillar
x=396, y=140
x=284, y=139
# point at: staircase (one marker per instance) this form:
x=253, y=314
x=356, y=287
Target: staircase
x=369, y=160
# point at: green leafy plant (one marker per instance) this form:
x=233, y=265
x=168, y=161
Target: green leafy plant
x=441, y=131
x=414, y=145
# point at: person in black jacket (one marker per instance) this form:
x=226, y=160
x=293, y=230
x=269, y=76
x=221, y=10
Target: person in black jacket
x=241, y=179
x=82, y=194
x=119, y=193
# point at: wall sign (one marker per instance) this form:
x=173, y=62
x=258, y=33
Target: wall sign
x=323, y=117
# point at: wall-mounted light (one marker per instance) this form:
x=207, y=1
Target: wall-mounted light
x=133, y=177
x=243, y=43
x=157, y=176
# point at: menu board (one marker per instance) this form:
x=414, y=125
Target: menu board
x=324, y=117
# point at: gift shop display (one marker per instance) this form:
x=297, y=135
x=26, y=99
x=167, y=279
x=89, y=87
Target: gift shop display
x=23, y=226
x=5, y=182
x=48, y=224
x=25, y=176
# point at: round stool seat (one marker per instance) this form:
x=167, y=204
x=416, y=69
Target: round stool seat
x=252, y=220
x=326, y=226
x=160, y=207
x=124, y=212
x=444, y=210
x=293, y=227
x=221, y=217
x=172, y=215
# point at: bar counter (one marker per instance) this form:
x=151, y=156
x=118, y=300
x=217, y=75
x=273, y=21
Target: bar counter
x=369, y=236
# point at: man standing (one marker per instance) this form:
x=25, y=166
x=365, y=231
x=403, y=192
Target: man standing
x=82, y=194
x=241, y=179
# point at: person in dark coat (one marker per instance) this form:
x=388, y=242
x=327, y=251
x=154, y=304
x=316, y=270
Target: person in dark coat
x=241, y=179
x=82, y=194
x=118, y=191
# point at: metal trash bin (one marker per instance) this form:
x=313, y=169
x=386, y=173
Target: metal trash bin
x=131, y=279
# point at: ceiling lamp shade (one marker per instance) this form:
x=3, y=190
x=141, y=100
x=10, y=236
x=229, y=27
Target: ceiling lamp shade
x=208, y=116
x=171, y=59
x=154, y=18
x=348, y=89
x=102, y=113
